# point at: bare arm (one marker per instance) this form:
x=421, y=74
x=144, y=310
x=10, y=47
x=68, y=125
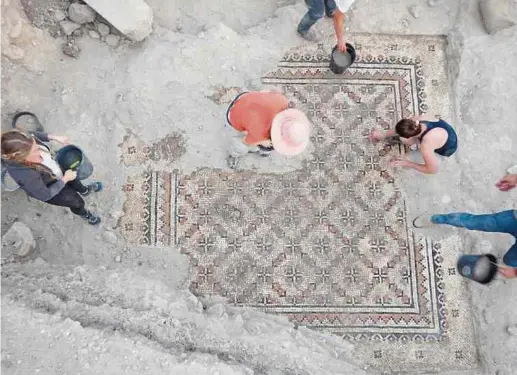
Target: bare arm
x=389, y=133
x=430, y=165
x=376, y=136
x=339, y=28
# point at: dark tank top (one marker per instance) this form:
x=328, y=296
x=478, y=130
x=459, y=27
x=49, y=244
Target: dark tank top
x=450, y=145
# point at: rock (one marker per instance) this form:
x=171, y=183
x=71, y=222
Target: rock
x=68, y=27
x=512, y=330
x=81, y=13
x=103, y=29
x=110, y=237
x=94, y=34
x=112, y=40
x=415, y=11
x=216, y=310
x=498, y=14
x=78, y=33
x=71, y=50
x=194, y=304
x=18, y=240
x=133, y=18
x=432, y=3
x=59, y=15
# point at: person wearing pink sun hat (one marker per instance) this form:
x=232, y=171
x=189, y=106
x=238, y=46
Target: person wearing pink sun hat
x=260, y=122
x=290, y=132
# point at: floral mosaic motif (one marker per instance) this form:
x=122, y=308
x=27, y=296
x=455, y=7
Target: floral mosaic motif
x=134, y=151
x=329, y=245
x=332, y=237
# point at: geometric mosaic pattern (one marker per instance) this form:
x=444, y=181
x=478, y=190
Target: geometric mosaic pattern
x=329, y=245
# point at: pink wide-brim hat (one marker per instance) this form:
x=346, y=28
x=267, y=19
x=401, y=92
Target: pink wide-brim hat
x=290, y=132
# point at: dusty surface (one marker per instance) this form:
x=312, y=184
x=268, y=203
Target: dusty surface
x=329, y=245
x=103, y=315
x=162, y=87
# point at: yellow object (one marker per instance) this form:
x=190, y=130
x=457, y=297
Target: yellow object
x=75, y=164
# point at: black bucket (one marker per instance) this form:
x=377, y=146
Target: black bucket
x=72, y=157
x=340, y=61
x=479, y=268
x=27, y=121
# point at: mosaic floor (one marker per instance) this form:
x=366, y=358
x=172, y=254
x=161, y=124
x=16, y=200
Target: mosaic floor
x=330, y=245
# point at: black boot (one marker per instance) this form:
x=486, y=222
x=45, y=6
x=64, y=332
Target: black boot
x=92, y=219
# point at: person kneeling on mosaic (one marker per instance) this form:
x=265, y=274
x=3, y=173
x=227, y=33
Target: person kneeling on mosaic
x=260, y=122
x=426, y=132
x=30, y=164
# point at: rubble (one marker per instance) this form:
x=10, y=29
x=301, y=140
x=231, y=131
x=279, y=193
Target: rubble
x=133, y=18
x=18, y=241
x=72, y=50
x=94, y=34
x=112, y=40
x=68, y=27
x=59, y=15
x=19, y=37
x=103, y=29
x=81, y=13
x=97, y=305
x=485, y=68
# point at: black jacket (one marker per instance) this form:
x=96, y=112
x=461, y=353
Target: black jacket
x=40, y=184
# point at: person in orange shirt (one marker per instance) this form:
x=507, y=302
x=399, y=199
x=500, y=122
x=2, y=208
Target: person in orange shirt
x=260, y=122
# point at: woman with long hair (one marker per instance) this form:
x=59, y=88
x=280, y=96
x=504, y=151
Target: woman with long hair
x=29, y=162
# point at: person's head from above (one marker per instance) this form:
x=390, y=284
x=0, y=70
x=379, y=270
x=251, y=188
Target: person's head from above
x=290, y=132
x=407, y=129
x=20, y=147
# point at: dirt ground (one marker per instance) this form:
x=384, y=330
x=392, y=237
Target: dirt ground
x=80, y=303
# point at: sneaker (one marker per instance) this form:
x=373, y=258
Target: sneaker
x=92, y=188
x=92, y=219
x=308, y=35
x=232, y=161
x=329, y=14
x=423, y=221
x=264, y=151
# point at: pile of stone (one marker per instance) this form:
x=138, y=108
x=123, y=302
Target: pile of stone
x=81, y=20
x=17, y=242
